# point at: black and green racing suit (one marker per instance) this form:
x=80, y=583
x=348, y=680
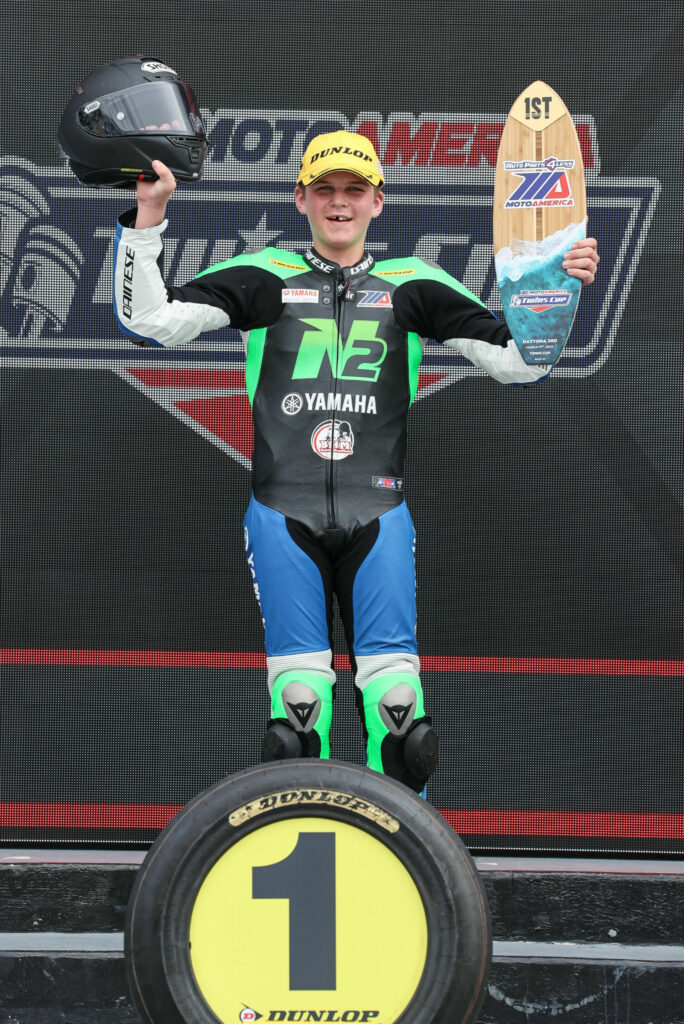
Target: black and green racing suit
x=332, y=361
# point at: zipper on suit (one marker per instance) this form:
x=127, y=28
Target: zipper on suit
x=342, y=286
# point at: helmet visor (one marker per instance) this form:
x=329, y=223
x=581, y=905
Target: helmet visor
x=164, y=107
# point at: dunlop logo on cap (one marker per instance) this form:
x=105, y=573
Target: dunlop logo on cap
x=356, y=153
x=340, y=151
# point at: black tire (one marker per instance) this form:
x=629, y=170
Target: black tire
x=159, y=964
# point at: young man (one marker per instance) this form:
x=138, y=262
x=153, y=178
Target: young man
x=332, y=354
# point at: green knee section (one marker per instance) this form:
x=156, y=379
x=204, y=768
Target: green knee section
x=321, y=687
x=372, y=694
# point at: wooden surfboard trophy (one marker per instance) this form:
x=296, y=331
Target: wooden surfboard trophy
x=540, y=209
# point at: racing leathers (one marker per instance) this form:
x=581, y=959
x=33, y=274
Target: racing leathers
x=332, y=361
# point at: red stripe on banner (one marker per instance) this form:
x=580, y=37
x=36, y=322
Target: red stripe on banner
x=256, y=659
x=53, y=815
x=177, y=378
x=465, y=822
x=134, y=659
x=554, y=666
x=586, y=824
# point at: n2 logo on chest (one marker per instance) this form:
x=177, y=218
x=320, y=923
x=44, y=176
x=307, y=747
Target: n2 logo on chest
x=358, y=357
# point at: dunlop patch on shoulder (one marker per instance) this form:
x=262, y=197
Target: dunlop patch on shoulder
x=289, y=266
x=318, y=797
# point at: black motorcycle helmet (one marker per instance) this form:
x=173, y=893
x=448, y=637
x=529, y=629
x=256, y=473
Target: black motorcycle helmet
x=126, y=114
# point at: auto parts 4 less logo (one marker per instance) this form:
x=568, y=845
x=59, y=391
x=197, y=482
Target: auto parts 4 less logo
x=359, y=357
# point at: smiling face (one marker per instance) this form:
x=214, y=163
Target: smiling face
x=339, y=207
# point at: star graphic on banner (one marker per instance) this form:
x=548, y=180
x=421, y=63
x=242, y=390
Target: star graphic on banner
x=215, y=402
x=258, y=237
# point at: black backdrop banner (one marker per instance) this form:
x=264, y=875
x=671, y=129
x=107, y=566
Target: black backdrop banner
x=549, y=519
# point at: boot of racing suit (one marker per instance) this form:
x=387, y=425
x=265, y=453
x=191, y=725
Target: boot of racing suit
x=400, y=739
x=301, y=709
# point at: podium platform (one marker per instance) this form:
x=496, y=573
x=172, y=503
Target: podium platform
x=580, y=940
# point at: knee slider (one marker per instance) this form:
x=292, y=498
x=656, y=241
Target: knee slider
x=301, y=706
x=401, y=740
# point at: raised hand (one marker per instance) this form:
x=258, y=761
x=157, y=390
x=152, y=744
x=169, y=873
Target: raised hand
x=153, y=196
x=582, y=260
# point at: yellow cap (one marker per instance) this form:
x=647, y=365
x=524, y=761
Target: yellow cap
x=340, y=151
